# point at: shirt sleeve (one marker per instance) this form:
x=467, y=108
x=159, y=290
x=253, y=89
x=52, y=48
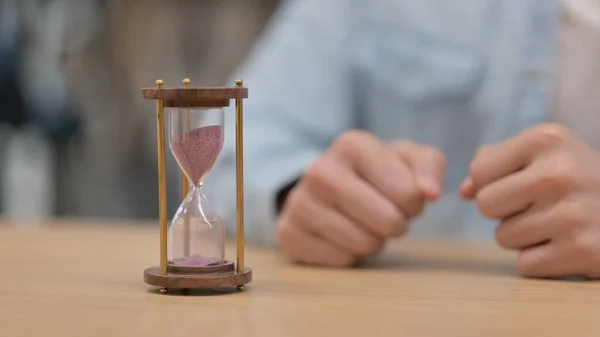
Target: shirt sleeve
x=299, y=81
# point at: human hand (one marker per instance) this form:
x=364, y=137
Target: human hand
x=361, y=192
x=544, y=187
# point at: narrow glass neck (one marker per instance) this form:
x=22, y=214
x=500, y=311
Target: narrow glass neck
x=195, y=192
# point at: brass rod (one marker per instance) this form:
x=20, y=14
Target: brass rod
x=239, y=156
x=162, y=180
x=184, y=186
x=184, y=182
x=186, y=127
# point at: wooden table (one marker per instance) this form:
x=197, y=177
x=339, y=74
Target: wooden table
x=85, y=279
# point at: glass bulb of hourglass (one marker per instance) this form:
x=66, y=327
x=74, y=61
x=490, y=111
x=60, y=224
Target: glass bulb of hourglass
x=197, y=232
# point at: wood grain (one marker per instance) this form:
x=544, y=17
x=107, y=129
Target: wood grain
x=194, y=94
x=84, y=278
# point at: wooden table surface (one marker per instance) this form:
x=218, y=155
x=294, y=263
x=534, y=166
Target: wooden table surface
x=85, y=279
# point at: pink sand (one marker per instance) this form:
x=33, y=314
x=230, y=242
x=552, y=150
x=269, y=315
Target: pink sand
x=196, y=151
x=195, y=261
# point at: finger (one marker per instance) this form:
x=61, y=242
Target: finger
x=467, y=189
x=427, y=164
x=549, y=260
x=529, y=228
x=367, y=207
x=374, y=162
x=301, y=246
x=496, y=161
x=509, y=195
x=340, y=188
x=327, y=223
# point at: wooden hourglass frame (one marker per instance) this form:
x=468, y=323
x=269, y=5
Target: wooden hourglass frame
x=227, y=274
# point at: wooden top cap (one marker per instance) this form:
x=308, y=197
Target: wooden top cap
x=194, y=94
x=195, y=97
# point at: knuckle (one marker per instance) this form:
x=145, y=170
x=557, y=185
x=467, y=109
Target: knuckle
x=484, y=207
x=368, y=247
x=433, y=154
x=389, y=221
x=294, y=202
x=350, y=140
x=550, y=134
x=413, y=206
x=501, y=236
x=318, y=174
x=586, y=245
x=483, y=151
x=571, y=215
x=559, y=177
x=420, y=151
x=411, y=192
x=401, y=229
x=404, y=146
x=476, y=169
x=418, y=208
x=292, y=199
x=526, y=267
x=403, y=143
x=486, y=204
x=532, y=265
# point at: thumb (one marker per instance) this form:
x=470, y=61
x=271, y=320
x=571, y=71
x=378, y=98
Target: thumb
x=428, y=165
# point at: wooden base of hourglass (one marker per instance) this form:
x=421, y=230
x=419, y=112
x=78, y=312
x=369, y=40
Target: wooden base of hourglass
x=209, y=277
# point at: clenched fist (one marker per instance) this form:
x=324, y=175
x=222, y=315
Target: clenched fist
x=361, y=192
x=544, y=187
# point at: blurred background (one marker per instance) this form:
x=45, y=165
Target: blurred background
x=76, y=139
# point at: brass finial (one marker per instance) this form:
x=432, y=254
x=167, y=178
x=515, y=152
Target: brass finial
x=239, y=83
x=186, y=82
x=159, y=83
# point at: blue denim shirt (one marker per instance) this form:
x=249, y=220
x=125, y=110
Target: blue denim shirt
x=454, y=74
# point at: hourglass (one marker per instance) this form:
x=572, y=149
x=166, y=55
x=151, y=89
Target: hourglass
x=192, y=245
